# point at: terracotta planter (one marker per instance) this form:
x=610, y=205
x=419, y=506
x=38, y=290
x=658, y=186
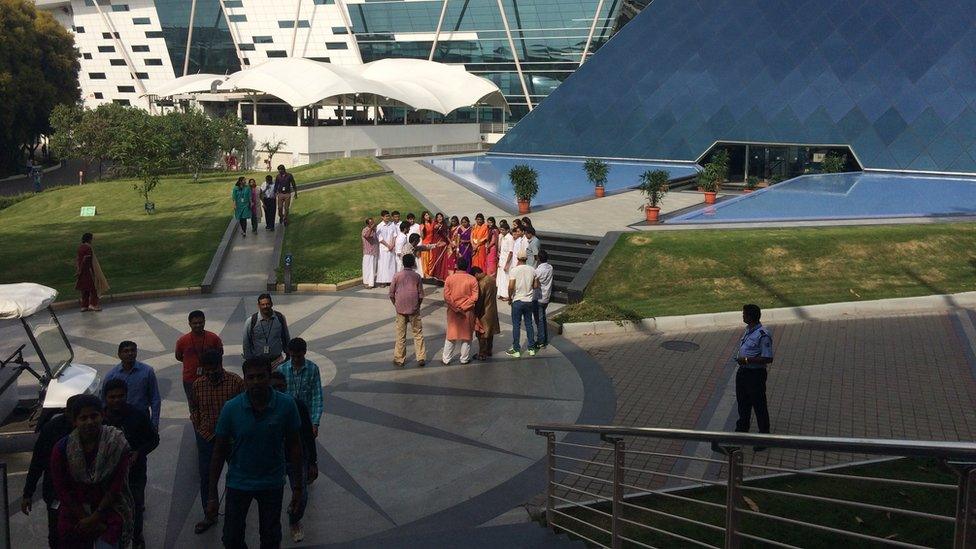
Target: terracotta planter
x=524, y=207
x=709, y=198
x=600, y=192
x=652, y=213
x=747, y=191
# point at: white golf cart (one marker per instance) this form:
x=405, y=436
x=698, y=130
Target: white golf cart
x=58, y=377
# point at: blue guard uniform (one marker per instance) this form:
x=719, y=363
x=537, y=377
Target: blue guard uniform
x=750, y=379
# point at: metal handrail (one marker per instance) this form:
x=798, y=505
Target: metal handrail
x=961, y=456
x=883, y=447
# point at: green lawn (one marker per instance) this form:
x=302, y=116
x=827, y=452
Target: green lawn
x=323, y=235
x=169, y=249
x=898, y=527
x=663, y=273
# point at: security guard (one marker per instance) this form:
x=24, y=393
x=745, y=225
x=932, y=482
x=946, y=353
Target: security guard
x=754, y=353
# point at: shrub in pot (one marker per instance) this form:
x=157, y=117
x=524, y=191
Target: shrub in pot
x=751, y=183
x=525, y=182
x=708, y=183
x=596, y=171
x=653, y=185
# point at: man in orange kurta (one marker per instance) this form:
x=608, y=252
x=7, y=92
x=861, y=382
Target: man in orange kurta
x=460, y=296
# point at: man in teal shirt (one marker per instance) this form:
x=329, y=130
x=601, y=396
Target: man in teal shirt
x=255, y=432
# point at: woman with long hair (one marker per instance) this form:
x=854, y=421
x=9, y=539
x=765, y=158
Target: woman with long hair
x=241, y=195
x=465, y=248
x=491, y=248
x=450, y=263
x=479, y=243
x=428, y=238
x=256, y=204
x=89, y=469
x=442, y=235
x=89, y=279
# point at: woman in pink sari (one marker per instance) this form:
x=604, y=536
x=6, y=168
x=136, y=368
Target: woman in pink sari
x=491, y=248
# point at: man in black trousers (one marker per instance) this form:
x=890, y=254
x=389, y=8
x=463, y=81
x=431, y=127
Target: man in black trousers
x=754, y=353
x=51, y=433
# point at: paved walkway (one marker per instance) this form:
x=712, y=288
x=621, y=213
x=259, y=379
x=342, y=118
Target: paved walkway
x=618, y=212
x=403, y=452
x=68, y=175
x=902, y=377
x=249, y=261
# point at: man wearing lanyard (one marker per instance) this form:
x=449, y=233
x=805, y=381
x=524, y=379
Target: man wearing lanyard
x=754, y=353
x=266, y=333
x=190, y=348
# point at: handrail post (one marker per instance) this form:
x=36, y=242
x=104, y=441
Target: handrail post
x=965, y=532
x=733, y=497
x=550, y=475
x=616, y=539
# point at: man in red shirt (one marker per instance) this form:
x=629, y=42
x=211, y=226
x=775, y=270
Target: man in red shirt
x=190, y=347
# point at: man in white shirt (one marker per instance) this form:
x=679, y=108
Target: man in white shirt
x=267, y=191
x=386, y=233
x=531, y=247
x=520, y=287
x=543, y=292
x=399, y=243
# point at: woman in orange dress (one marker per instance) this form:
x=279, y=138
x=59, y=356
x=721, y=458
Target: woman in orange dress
x=428, y=238
x=479, y=243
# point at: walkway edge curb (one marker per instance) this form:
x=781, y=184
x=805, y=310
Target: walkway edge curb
x=733, y=319
x=305, y=287
x=132, y=296
x=213, y=271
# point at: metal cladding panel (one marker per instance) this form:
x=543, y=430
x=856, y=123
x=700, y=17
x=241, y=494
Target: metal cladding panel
x=894, y=80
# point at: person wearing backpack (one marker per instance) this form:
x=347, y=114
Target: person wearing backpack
x=266, y=333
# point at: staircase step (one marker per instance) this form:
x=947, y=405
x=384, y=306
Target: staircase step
x=575, y=256
x=563, y=276
x=591, y=240
x=552, y=246
x=572, y=266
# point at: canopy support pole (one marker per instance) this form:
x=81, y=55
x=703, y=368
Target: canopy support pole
x=437, y=34
x=342, y=103
x=376, y=111
x=189, y=38
x=294, y=27
x=589, y=37
x=515, y=56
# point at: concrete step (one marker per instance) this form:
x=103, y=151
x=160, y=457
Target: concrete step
x=529, y=535
x=574, y=257
x=552, y=246
x=563, y=276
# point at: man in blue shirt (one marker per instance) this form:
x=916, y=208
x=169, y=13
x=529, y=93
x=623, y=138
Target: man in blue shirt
x=255, y=432
x=143, y=391
x=755, y=351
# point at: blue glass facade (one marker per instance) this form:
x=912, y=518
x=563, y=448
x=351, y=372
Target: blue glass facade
x=549, y=38
x=893, y=79
x=212, y=50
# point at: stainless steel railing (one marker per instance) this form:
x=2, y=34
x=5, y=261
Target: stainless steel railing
x=608, y=491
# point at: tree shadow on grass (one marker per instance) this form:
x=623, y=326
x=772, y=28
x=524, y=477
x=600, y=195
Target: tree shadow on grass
x=769, y=289
x=932, y=288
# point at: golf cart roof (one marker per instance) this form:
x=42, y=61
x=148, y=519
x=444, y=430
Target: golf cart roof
x=24, y=299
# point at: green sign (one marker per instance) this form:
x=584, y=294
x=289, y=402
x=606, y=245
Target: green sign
x=88, y=211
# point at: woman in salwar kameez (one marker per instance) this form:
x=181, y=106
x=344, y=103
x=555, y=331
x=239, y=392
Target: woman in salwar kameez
x=465, y=249
x=89, y=279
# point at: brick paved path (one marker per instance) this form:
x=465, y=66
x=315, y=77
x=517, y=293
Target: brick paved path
x=898, y=377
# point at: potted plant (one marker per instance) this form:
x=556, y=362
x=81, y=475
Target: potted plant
x=525, y=182
x=708, y=183
x=752, y=182
x=596, y=171
x=653, y=185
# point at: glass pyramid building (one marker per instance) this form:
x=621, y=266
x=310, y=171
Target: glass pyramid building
x=894, y=80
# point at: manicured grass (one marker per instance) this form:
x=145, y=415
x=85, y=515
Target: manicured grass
x=323, y=235
x=665, y=273
x=894, y=526
x=169, y=249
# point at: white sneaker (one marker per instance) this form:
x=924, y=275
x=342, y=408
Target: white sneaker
x=297, y=533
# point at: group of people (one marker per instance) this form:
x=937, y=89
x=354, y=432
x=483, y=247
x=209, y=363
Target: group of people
x=439, y=244
x=262, y=424
x=479, y=266
x=274, y=195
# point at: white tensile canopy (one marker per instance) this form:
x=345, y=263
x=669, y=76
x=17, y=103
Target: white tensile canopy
x=414, y=83
x=24, y=299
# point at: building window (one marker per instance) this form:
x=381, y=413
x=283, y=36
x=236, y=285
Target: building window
x=79, y=30
x=246, y=47
x=277, y=53
x=96, y=75
x=237, y=18
x=106, y=49
x=320, y=59
x=233, y=4
x=140, y=21
x=262, y=39
x=339, y=30
x=100, y=3
x=336, y=46
x=109, y=35
x=302, y=24
x=117, y=62
x=323, y=2
x=122, y=102
x=98, y=95
x=154, y=34
x=140, y=48
x=86, y=55
x=127, y=89
x=154, y=62
x=247, y=61
x=142, y=75
x=120, y=7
